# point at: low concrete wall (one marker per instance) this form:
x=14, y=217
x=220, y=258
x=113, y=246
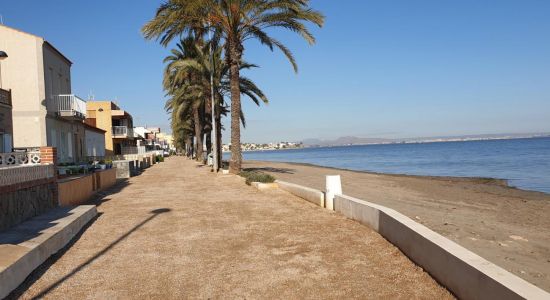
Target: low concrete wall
x=79, y=190
x=76, y=190
x=264, y=186
x=125, y=168
x=312, y=195
x=107, y=178
x=26, y=246
x=463, y=272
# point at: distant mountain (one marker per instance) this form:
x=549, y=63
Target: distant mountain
x=353, y=140
x=345, y=140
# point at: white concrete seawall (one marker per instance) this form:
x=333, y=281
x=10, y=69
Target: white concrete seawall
x=312, y=195
x=461, y=271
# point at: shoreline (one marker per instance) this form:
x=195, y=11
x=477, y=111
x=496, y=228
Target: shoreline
x=501, y=223
x=502, y=182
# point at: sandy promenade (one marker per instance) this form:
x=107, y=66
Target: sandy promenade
x=177, y=231
x=507, y=226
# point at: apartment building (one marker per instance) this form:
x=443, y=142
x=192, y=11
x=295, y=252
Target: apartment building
x=44, y=110
x=6, y=123
x=117, y=123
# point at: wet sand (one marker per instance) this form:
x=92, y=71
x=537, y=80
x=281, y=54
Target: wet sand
x=507, y=226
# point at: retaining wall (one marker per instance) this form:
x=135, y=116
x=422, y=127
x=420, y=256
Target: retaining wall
x=464, y=273
x=26, y=246
x=79, y=190
x=75, y=190
x=25, y=192
x=312, y=195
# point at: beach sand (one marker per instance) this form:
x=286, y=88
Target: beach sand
x=507, y=226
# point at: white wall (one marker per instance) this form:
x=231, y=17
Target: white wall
x=95, y=143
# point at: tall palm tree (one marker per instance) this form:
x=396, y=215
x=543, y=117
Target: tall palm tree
x=200, y=60
x=186, y=87
x=235, y=21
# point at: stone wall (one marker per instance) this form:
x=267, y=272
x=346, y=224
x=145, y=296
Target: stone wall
x=22, y=201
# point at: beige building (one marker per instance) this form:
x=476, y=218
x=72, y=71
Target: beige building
x=6, y=124
x=117, y=123
x=45, y=112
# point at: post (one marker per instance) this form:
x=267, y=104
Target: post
x=333, y=188
x=214, y=136
x=48, y=156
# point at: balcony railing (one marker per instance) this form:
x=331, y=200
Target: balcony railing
x=68, y=106
x=123, y=132
x=5, y=97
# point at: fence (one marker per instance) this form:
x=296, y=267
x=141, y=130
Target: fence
x=133, y=150
x=26, y=158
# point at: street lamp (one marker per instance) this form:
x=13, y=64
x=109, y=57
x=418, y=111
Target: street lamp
x=3, y=55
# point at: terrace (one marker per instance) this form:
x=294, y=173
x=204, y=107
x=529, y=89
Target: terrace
x=67, y=106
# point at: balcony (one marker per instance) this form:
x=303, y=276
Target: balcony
x=67, y=106
x=5, y=97
x=122, y=132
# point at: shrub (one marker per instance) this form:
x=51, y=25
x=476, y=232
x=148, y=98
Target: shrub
x=255, y=176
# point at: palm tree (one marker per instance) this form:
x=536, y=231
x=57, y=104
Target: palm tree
x=235, y=21
x=186, y=86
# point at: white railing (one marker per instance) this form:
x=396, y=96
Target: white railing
x=133, y=150
x=123, y=131
x=12, y=159
x=20, y=174
x=67, y=105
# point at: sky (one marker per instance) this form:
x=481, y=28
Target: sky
x=390, y=69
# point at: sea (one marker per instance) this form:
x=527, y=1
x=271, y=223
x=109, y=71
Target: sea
x=524, y=163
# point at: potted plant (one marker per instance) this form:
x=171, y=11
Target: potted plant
x=102, y=165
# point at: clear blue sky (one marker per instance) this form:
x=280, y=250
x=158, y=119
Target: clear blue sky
x=380, y=68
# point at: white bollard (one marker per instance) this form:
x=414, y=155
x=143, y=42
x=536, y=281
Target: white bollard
x=333, y=187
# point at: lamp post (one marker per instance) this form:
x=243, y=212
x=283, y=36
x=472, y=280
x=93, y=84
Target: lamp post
x=3, y=55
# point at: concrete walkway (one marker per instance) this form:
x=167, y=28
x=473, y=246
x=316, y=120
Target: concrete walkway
x=178, y=231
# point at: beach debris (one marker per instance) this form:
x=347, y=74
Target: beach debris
x=518, y=238
x=417, y=217
x=502, y=244
x=472, y=238
x=522, y=272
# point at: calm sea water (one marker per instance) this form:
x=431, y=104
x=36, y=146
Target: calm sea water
x=525, y=163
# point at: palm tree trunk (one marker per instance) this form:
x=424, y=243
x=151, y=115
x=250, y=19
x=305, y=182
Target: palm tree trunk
x=236, y=155
x=217, y=109
x=208, y=142
x=219, y=140
x=198, y=134
x=208, y=124
x=189, y=146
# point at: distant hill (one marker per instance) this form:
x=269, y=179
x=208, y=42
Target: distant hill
x=345, y=140
x=353, y=140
